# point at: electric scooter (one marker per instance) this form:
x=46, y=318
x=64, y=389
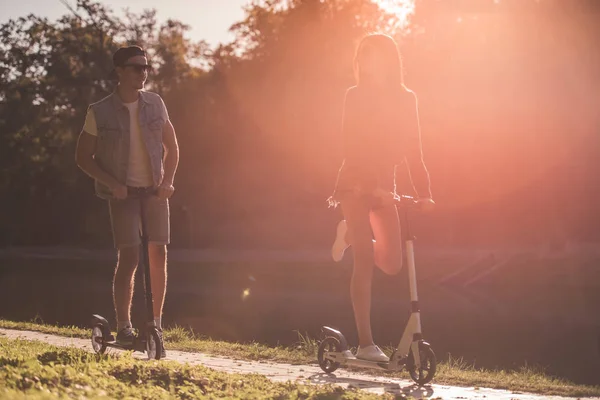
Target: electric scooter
x=149, y=339
x=412, y=353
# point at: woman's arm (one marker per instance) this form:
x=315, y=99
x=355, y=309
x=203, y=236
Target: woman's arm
x=418, y=173
x=345, y=139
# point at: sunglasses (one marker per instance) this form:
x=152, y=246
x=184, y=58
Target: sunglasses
x=138, y=67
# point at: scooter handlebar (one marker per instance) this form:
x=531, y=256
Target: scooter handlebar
x=405, y=201
x=409, y=202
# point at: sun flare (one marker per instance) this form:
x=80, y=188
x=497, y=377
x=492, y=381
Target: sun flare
x=402, y=9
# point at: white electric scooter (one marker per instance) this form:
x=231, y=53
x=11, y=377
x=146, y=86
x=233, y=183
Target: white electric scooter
x=412, y=353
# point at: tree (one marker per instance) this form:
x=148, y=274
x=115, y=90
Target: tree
x=258, y=119
x=50, y=73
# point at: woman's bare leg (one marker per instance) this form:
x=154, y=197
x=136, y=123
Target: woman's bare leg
x=356, y=213
x=388, y=239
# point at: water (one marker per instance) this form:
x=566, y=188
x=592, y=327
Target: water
x=525, y=312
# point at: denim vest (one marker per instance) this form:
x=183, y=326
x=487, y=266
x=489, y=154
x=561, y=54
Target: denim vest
x=112, y=145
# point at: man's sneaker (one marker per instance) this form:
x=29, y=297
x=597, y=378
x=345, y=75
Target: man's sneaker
x=163, y=353
x=371, y=353
x=126, y=336
x=340, y=245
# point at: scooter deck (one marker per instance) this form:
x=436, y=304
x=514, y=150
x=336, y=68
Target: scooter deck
x=357, y=362
x=392, y=365
x=135, y=346
x=119, y=345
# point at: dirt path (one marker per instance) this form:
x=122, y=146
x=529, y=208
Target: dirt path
x=302, y=373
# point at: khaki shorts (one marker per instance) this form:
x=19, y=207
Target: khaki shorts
x=126, y=223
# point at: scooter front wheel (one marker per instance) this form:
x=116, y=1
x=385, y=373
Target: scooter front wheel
x=330, y=344
x=153, y=344
x=98, y=342
x=425, y=373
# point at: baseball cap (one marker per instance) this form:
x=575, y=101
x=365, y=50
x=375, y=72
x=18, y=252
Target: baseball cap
x=123, y=54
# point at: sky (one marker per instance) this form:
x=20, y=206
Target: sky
x=209, y=19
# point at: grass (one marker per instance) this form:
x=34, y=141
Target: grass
x=179, y=338
x=451, y=372
x=36, y=370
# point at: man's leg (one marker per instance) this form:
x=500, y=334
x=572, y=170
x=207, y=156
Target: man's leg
x=158, y=276
x=128, y=259
x=157, y=222
x=125, y=222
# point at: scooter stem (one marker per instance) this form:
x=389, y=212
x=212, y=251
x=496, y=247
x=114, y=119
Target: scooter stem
x=412, y=332
x=146, y=264
x=412, y=273
x=410, y=258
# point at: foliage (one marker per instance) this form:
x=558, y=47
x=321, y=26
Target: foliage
x=258, y=118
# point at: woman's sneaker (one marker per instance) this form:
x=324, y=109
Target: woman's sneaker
x=371, y=353
x=340, y=245
x=348, y=355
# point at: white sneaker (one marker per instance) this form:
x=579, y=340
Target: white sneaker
x=348, y=355
x=340, y=245
x=371, y=353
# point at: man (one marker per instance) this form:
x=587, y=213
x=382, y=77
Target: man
x=128, y=144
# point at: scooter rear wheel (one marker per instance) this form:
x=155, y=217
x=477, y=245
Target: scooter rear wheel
x=153, y=344
x=328, y=344
x=98, y=343
x=425, y=373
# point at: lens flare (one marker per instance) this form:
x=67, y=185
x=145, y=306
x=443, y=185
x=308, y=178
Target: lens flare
x=245, y=294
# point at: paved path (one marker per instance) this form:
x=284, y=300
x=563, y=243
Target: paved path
x=302, y=373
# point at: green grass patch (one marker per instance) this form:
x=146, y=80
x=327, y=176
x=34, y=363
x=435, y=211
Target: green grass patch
x=179, y=338
x=36, y=370
x=451, y=371
x=524, y=379
x=37, y=325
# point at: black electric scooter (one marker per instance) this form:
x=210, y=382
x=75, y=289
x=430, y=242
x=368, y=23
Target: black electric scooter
x=149, y=339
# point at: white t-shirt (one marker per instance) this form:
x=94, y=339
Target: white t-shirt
x=139, y=173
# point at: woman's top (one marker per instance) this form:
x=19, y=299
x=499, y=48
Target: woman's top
x=381, y=130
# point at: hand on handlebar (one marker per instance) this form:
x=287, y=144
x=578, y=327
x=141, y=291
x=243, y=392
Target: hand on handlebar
x=386, y=198
x=425, y=204
x=165, y=191
x=119, y=191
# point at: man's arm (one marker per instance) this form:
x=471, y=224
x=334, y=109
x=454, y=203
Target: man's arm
x=171, y=159
x=84, y=156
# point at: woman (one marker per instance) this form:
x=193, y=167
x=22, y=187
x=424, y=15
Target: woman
x=380, y=130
